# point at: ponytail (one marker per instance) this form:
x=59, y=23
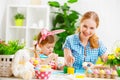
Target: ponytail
x=94, y=41
x=35, y=52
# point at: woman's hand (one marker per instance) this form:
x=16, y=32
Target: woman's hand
x=69, y=59
x=104, y=57
x=87, y=65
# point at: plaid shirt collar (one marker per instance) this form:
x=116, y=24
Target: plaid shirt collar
x=77, y=40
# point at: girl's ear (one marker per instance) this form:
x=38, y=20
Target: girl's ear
x=40, y=45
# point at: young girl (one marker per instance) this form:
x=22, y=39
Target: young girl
x=46, y=42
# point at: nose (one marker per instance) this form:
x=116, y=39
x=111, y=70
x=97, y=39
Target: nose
x=88, y=31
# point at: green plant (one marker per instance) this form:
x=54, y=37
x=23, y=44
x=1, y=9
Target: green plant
x=19, y=16
x=65, y=18
x=112, y=60
x=35, y=37
x=11, y=47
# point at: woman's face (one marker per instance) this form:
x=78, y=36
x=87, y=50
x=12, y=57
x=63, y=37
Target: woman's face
x=47, y=48
x=87, y=28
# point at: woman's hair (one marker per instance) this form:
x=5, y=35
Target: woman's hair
x=49, y=39
x=91, y=15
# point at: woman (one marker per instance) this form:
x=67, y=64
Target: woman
x=85, y=45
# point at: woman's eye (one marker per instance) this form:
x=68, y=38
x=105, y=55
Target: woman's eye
x=85, y=26
x=91, y=28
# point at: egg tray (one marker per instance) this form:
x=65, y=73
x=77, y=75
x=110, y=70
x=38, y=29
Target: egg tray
x=109, y=76
x=93, y=75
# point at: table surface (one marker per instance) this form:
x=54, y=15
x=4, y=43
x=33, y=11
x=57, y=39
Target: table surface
x=58, y=75
x=61, y=77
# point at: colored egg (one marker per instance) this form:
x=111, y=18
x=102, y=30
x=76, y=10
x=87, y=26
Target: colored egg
x=108, y=71
x=90, y=70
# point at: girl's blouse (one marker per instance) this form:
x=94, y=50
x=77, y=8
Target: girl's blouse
x=74, y=44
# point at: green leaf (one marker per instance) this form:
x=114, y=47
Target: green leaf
x=19, y=16
x=75, y=12
x=65, y=7
x=60, y=18
x=73, y=16
x=58, y=48
x=64, y=18
x=54, y=4
x=72, y=1
x=11, y=48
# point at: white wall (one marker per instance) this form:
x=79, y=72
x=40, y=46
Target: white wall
x=108, y=11
x=109, y=18
x=2, y=17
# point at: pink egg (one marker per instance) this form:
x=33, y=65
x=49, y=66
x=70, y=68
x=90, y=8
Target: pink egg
x=95, y=71
x=108, y=71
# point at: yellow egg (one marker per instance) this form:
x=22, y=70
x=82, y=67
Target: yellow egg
x=36, y=62
x=46, y=66
x=102, y=72
x=79, y=76
x=114, y=72
x=42, y=69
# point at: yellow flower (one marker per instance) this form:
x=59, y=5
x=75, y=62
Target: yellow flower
x=109, y=57
x=117, y=50
x=112, y=57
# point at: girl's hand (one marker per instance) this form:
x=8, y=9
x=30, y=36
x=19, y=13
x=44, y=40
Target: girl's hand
x=53, y=56
x=69, y=59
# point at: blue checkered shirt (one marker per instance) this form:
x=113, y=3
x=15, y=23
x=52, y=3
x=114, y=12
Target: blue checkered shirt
x=73, y=43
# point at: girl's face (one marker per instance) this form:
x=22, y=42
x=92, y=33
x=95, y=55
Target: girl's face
x=47, y=48
x=87, y=28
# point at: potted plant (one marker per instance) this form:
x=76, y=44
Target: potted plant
x=11, y=47
x=7, y=52
x=65, y=18
x=19, y=19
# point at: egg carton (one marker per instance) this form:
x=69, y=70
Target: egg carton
x=108, y=76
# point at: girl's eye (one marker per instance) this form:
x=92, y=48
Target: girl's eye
x=48, y=47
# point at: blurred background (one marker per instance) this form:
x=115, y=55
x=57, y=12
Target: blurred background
x=108, y=11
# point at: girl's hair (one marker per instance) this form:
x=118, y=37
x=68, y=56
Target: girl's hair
x=91, y=15
x=49, y=39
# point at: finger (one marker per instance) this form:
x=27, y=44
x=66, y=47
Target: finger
x=85, y=67
x=73, y=59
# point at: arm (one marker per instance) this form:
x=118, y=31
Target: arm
x=69, y=59
x=103, y=51
x=104, y=57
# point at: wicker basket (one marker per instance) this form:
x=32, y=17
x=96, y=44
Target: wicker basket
x=5, y=65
